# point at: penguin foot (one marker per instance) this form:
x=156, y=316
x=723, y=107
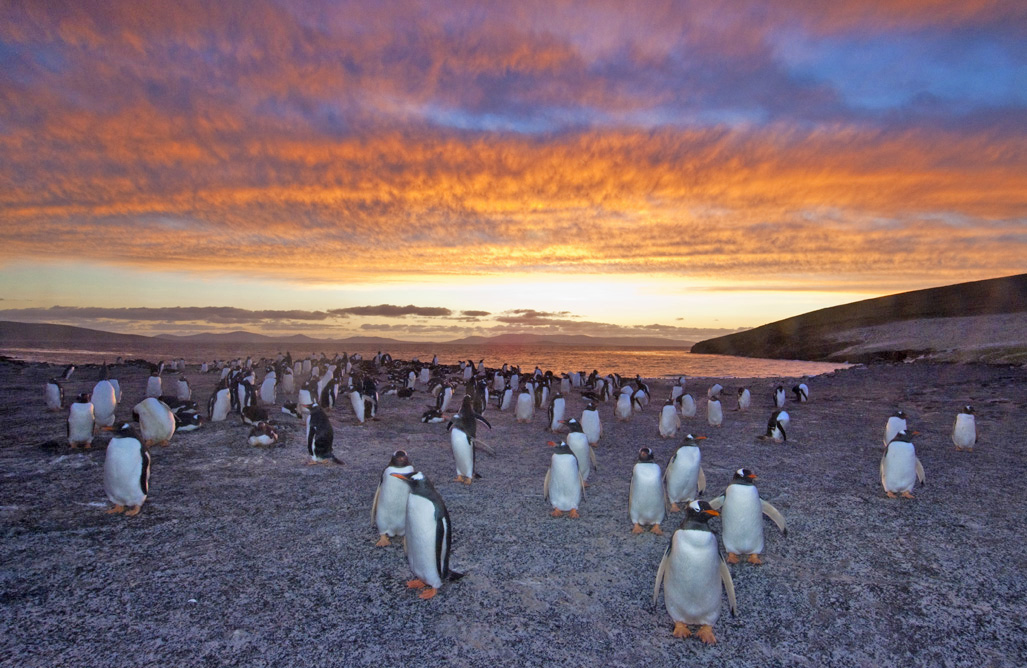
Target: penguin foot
x=637, y=528
x=656, y=530
x=681, y=630
x=557, y=512
x=705, y=633
x=163, y=444
x=584, y=483
x=468, y=480
x=134, y=511
x=116, y=509
x=891, y=495
x=574, y=513
x=732, y=558
x=428, y=593
x=459, y=478
x=907, y=495
x=383, y=541
x=754, y=559
x=416, y=584
x=674, y=508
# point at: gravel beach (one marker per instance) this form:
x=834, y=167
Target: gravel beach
x=245, y=556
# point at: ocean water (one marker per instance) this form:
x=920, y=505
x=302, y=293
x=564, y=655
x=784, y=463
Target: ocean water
x=626, y=361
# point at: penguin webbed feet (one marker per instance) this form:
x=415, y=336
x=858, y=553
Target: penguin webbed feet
x=705, y=633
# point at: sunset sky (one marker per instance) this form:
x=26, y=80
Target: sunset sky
x=430, y=170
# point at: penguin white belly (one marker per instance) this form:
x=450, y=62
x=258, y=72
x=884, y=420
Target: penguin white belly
x=504, y=405
x=447, y=396
x=53, y=397
x=646, y=497
x=676, y=392
x=559, y=413
x=623, y=408
x=80, y=424
x=358, y=406
x=578, y=443
x=463, y=452
x=899, y=467
x=714, y=413
x=222, y=405
x=390, y=514
x=683, y=475
x=564, y=483
x=425, y=377
x=779, y=398
x=525, y=409
x=565, y=386
x=122, y=472
x=420, y=541
x=182, y=391
x=156, y=421
x=691, y=584
x=153, y=386
x=669, y=421
x=892, y=429
x=104, y=403
x=687, y=406
x=742, y=520
x=592, y=426
x=288, y=384
x=964, y=432
x=267, y=389
x=744, y=399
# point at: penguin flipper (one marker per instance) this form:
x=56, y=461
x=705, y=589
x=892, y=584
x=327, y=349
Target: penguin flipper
x=700, y=483
x=729, y=587
x=774, y=514
x=476, y=443
x=581, y=482
x=717, y=503
x=374, y=505
x=882, y=469
x=545, y=485
x=660, y=572
x=481, y=418
x=144, y=477
x=592, y=457
x=920, y=472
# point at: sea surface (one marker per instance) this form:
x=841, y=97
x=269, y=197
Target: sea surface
x=644, y=361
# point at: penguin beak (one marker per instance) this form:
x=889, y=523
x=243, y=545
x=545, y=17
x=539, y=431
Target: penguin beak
x=551, y=444
x=751, y=476
x=700, y=438
x=401, y=476
x=712, y=513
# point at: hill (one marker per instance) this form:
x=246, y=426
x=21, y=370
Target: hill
x=975, y=321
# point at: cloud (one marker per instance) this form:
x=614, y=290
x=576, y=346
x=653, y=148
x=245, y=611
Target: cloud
x=206, y=314
x=475, y=314
x=390, y=311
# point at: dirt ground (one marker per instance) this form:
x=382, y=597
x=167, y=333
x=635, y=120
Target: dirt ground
x=246, y=556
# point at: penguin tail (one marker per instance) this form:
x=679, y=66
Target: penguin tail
x=338, y=461
x=453, y=576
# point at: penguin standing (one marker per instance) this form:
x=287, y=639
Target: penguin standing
x=80, y=422
x=219, y=403
x=692, y=573
x=182, y=389
x=714, y=412
x=686, y=404
x=524, y=411
x=591, y=424
x=320, y=437
x=389, y=509
x=623, y=408
x=577, y=441
x=428, y=536
x=126, y=472
x=563, y=486
x=105, y=402
x=744, y=398
x=684, y=477
x=506, y=399
x=670, y=422
x=156, y=421
x=269, y=387
x=557, y=411
x=288, y=381
x=900, y=468
x=779, y=397
x=646, y=494
x=356, y=402
x=153, y=384
x=741, y=517
x=463, y=430
x=54, y=395
x=896, y=423
x=964, y=431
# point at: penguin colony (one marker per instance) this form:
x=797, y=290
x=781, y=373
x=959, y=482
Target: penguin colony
x=406, y=505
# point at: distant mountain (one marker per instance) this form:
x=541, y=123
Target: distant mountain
x=842, y=333
x=571, y=340
x=33, y=333
x=250, y=337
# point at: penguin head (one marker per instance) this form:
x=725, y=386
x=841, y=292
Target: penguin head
x=693, y=440
x=669, y=402
x=561, y=447
x=741, y=391
x=645, y=455
x=743, y=476
x=968, y=409
x=904, y=436
x=574, y=425
x=82, y=398
x=700, y=510
x=591, y=406
x=899, y=414
x=399, y=458
x=125, y=431
x=415, y=480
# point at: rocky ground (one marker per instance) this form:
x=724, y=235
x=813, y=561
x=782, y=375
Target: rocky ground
x=248, y=557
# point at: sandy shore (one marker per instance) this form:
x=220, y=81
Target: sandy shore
x=247, y=557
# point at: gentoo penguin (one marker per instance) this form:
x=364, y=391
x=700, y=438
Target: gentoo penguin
x=779, y=396
x=153, y=385
x=577, y=441
x=670, y=422
x=744, y=398
x=776, y=427
x=105, y=401
x=187, y=421
x=288, y=381
x=291, y=408
x=463, y=430
x=591, y=424
x=676, y=391
x=900, y=468
x=269, y=387
x=895, y=424
x=68, y=370
x=801, y=393
x=54, y=395
x=686, y=404
x=623, y=408
x=369, y=395
x=320, y=437
x=262, y=435
x=563, y=486
x=557, y=411
x=80, y=422
x=307, y=396
x=524, y=411
x=389, y=509
x=506, y=399
x=964, y=431
x=182, y=389
x=645, y=497
x=741, y=517
x=428, y=536
x=714, y=391
x=684, y=476
x=714, y=412
x=253, y=415
x=692, y=573
x=156, y=421
x=126, y=472
x=219, y=404
x=432, y=416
